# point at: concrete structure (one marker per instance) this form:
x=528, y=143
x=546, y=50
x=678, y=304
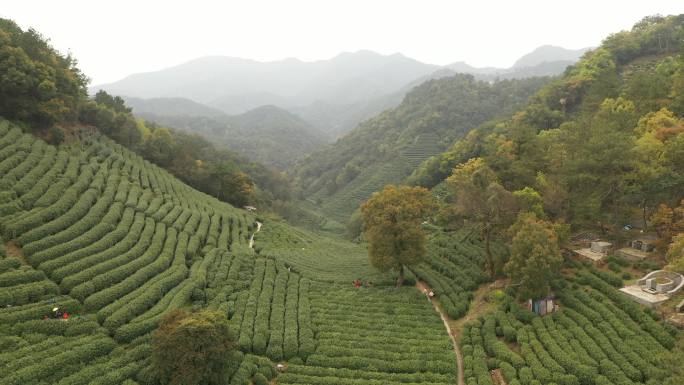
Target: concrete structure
x=601, y=247
x=645, y=243
x=596, y=251
x=655, y=287
x=632, y=254
x=639, y=248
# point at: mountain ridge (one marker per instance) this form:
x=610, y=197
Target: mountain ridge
x=334, y=94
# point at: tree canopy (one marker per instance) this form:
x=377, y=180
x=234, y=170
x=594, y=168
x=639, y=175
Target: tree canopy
x=479, y=197
x=392, y=226
x=193, y=348
x=535, y=259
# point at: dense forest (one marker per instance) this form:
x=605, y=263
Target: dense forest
x=268, y=135
x=602, y=145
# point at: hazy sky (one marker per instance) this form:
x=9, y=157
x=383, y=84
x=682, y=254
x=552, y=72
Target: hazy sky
x=112, y=39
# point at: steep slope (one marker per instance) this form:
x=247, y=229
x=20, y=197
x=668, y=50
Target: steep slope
x=268, y=134
x=98, y=232
x=388, y=147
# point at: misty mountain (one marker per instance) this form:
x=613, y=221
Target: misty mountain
x=345, y=79
x=337, y=120
x=333, y=95
x=170, y=107
x=546, y=60
x=549, y=54
x=267, y=134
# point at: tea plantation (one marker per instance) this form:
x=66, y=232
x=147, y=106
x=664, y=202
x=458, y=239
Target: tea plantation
x=117, y=242
x=98, y=232
x=598, y=338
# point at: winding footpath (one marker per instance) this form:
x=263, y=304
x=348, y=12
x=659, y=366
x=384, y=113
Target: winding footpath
x=251, y=239
x=423, y=287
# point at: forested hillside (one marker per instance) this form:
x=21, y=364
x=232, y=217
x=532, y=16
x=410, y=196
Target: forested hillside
x=603, y=144
x=387, y=148
x=268, y=134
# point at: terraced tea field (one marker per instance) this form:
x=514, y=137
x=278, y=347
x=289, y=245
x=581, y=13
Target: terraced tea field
x=599, y=337
x=374, y=336
x=116, y=242
x=343, y=203
x=321, y=258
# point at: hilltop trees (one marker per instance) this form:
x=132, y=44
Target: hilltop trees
x=601, y=141
x=667, y=223
x=535, y=256
x=391, y=225
x=478, y=196
x=193, y=348
x=38, y=85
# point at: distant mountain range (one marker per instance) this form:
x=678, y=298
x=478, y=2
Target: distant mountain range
x=330, y=96
x=236, y=85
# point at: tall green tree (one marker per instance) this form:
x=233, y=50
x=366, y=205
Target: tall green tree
x=392, y=226
x=478, y=196
x=535, y=256
x=193, y=348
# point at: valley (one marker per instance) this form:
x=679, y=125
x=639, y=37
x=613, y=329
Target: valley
x=368, y=219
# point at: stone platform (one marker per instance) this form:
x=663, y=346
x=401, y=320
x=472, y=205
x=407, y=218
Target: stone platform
x=632, y=254
x=644, y=297
x=588, y=253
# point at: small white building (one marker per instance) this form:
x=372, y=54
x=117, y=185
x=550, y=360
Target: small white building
x=596, y=251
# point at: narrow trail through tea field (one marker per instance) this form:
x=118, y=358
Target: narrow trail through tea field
x=423, y=287
x=251, y=239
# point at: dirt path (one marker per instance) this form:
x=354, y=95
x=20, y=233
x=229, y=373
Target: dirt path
x=424, y=288
x=12, y=250
x=251, y=239
x=497, y=377
x=479, y=306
